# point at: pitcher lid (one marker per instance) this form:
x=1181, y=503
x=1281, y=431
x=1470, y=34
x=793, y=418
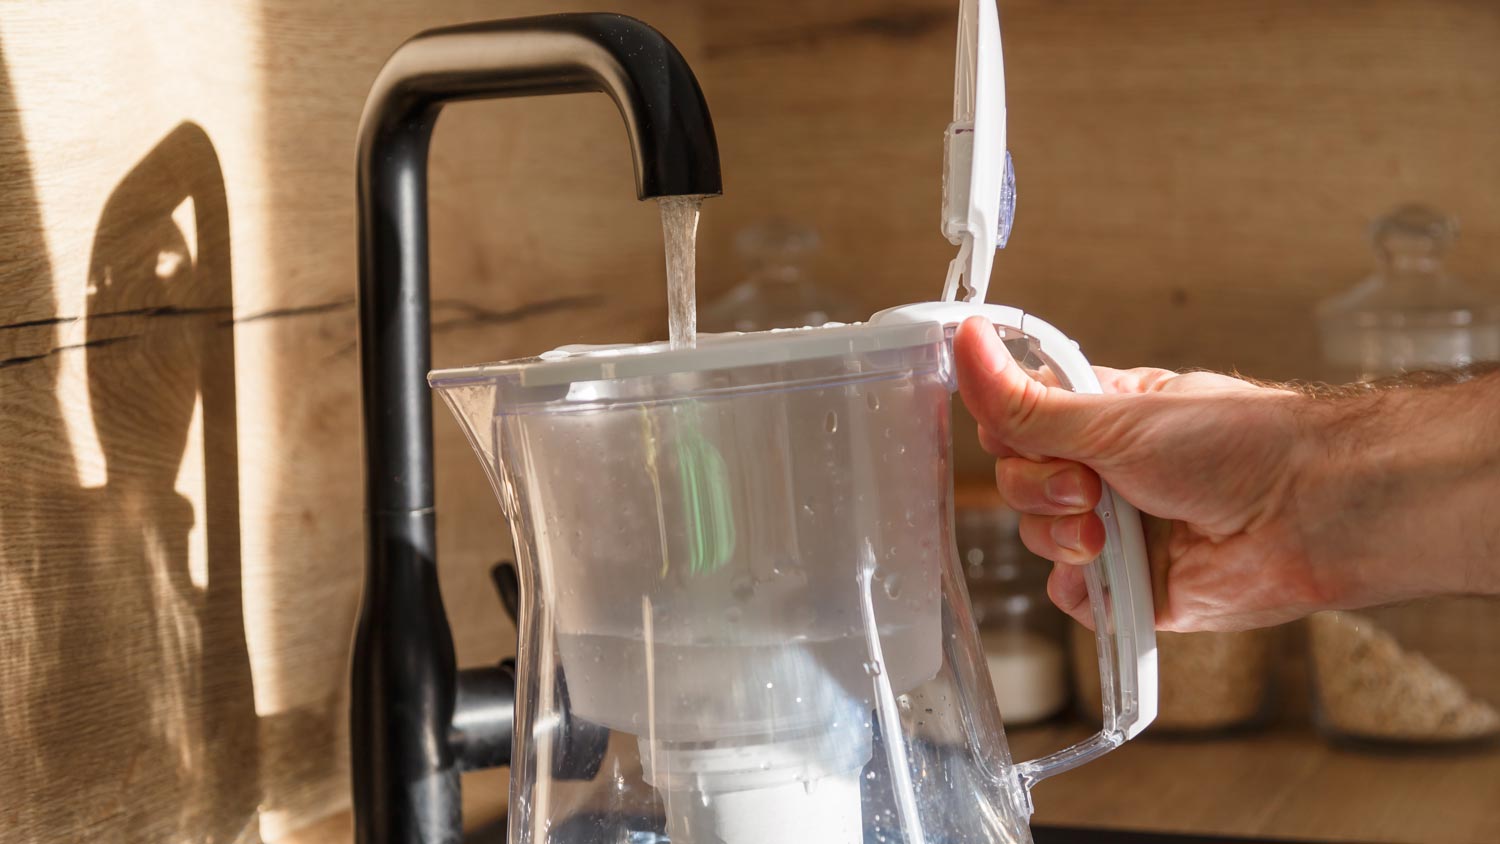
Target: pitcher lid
x=730, y=350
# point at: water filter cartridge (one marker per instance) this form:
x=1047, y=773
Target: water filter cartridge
x=787, y=788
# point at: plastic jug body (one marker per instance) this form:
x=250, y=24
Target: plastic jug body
x=740, y=560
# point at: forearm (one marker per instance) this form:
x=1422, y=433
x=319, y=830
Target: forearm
x=1400, y=491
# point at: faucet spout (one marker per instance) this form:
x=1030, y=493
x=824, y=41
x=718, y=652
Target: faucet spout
x=404, y=679
x=666, y=119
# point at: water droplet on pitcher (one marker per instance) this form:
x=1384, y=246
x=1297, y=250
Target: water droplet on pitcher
x=704, y=797
x=893, y=586
x=809, y=785
x=872, y=669
x=742, y=588
x=831, y=422
x=870, y=775
x=770, y=685
x=872, y=400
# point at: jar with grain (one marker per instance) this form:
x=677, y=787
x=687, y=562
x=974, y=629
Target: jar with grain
x=1209, y=682
x=1022, y=633
x=1426, y=672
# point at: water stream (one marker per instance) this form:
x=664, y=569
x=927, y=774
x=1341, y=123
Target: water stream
x=679, y=227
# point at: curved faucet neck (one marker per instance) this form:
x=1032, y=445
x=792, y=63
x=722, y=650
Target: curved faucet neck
x=407, y=720
x=671, y=139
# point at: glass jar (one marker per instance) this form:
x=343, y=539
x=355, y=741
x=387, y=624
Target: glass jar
x=1426, y=672
x=1209, y=682
x=1021, y=631
x=1410, y=314
x=778, y=290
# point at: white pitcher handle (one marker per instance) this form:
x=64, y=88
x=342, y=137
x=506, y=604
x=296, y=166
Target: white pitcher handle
x=1119, y=581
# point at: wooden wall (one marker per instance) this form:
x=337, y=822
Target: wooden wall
x=180, y=528
x=1191, y=177
x=179, y=505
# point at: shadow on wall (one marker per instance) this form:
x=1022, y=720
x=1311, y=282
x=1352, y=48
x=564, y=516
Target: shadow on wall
x=126, y=701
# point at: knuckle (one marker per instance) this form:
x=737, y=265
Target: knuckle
x=1011, y=485
x=1025, y=405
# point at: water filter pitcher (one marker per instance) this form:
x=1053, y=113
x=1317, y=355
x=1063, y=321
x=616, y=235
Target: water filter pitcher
x=738, y=559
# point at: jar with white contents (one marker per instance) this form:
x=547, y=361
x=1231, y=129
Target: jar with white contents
x=1023, y=634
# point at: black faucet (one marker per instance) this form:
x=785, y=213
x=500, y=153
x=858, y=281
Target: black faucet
x=416, y=721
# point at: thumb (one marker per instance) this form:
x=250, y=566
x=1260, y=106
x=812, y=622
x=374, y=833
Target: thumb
x=1015, y=408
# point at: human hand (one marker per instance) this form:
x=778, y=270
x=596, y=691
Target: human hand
x=1214, y=459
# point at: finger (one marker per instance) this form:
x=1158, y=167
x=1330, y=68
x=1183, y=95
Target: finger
x=993, y=445
x=1022, y=412
x=1147, y=379
x=1075, y=539
x=1202, y=381
x=1053, y=488
x=1068, y=590
x=1143, y=379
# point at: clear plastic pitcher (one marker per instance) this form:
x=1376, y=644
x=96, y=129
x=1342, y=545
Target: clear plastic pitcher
x=739, y=560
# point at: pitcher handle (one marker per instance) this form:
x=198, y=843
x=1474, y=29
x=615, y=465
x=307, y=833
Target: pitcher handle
x=1119, y=581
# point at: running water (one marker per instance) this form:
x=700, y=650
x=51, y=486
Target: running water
x=679, y=228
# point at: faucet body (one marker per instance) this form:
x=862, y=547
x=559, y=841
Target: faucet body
x=416, y=721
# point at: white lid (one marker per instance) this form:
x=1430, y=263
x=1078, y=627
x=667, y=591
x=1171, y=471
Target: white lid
x=574, y=363
x=978, y=181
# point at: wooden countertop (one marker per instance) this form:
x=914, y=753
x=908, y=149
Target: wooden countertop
x=1281, y=782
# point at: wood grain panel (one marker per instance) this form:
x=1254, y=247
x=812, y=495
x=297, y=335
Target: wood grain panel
x=180, y=538
x=1192, y=177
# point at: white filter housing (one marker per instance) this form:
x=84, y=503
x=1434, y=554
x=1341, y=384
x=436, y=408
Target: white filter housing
x=826, y=810
x=799, y=789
